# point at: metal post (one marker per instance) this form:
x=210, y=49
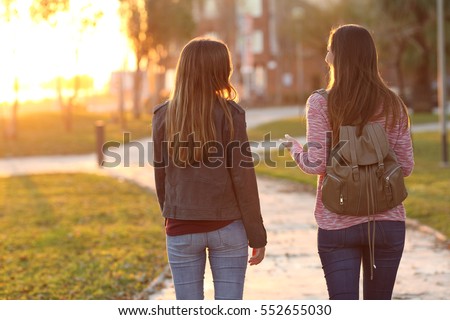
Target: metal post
x=100, y=140
x=442, y=80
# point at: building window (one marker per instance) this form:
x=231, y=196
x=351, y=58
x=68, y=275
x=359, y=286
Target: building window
x=252, y=7
x=260, y=80
x=210, y=9
x=258, y=42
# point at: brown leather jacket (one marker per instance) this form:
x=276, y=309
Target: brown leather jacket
x=225, y=188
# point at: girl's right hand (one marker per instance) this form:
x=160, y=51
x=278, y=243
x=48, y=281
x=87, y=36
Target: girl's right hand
x=288, y=142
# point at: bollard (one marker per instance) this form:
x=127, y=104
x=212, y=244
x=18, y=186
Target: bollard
x=100, y=140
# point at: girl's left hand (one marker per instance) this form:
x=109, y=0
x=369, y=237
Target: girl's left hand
x=257, y=256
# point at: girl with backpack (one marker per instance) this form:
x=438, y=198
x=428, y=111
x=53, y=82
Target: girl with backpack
x=356, y=96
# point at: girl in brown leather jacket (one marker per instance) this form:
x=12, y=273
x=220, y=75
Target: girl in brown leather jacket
x=205, y=179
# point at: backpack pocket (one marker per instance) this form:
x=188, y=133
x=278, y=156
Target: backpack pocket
x=394, y=187
x=333, y=195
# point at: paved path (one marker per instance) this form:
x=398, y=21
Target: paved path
x=292, y=268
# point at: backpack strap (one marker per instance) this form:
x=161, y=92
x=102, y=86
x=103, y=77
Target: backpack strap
x=376, y=143
x=322, y=92
x=353, y=156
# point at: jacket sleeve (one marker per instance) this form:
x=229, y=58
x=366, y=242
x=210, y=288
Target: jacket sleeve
x=159, y=162
x=242, y=171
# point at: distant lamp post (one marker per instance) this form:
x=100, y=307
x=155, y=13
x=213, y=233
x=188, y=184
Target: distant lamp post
x=247, y=57
x=297, y=15
x=99, y=141
x=442, y=80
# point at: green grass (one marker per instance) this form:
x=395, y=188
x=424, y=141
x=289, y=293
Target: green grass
x=295, y=127
x=77, y=236
x=44, y=133
x=421, y=118
x=428, y=186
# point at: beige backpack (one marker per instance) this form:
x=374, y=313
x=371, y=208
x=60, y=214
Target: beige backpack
x=363, y=176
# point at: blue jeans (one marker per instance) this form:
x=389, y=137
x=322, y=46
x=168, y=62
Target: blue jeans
x=228, y=255
x=341, y=253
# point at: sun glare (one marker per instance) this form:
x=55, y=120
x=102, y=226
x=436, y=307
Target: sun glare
x=37, y=53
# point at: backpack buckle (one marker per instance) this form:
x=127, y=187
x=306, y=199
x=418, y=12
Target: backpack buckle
x=380, y=170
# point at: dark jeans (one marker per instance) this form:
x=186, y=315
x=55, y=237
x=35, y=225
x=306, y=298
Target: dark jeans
x=341, y=252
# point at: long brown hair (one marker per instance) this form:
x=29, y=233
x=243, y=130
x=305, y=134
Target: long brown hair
x=356, y=89
x=202, y=80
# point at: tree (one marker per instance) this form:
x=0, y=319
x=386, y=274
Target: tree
x=311, y=22
x=152, y=27
x=9, y=15
x=406, y=38
x=410, y=32
x=170, y=25
x=135, y=19
x=304, y=28
x=86, y=18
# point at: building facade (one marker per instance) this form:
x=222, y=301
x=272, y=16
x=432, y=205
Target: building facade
x=269, y=68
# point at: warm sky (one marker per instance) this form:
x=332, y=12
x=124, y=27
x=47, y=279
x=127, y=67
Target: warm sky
x=43, y=52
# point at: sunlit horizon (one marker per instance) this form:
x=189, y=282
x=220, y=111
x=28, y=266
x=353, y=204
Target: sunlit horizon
x=37, y=53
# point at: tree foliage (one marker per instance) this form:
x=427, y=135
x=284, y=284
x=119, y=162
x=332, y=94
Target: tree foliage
x=405, y=33
x=9, y=12
x=45, y=10
x=152, y=27
x=87, y=17
x=412, y=33
x=311, y=22
x=169, y=20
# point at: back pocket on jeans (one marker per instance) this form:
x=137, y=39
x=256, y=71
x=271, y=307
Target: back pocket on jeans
x=179, y=242
x=233, y=234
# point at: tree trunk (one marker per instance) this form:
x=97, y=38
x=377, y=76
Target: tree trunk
x=68, y=114
x=14, y=126
x=66, y=109
x=422, y=101
x=137, y=90
x=399, y=71
x=14, y=111
x=422, y=95
x=153, y=71
x=11, y=125
x=121, y=102
x=159, y=87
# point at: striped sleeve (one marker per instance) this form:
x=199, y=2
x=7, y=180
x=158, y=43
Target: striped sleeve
x=401, y=142
x=311, y=158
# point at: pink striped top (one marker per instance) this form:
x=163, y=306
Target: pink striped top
x=317, y=126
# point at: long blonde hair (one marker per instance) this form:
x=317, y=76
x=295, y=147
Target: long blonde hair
x=202, y=80
x=356, y=89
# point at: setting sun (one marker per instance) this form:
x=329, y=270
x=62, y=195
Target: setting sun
x=36, y=52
